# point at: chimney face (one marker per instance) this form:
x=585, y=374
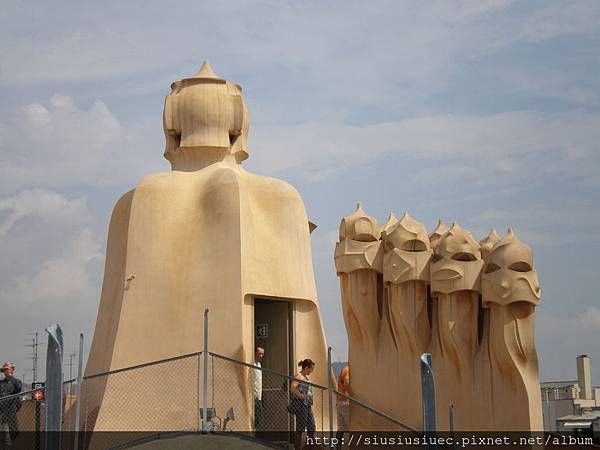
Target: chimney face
x=584, y=377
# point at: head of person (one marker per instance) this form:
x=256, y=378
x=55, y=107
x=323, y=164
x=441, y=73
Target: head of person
x=8, y=369
x=306, y=366
x=344, y=381
x=259, y=353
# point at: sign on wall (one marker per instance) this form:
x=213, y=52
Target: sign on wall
x=262, y=330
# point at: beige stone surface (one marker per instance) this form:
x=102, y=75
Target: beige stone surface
x=207, y=234
x=436, y=234
x=471, y=305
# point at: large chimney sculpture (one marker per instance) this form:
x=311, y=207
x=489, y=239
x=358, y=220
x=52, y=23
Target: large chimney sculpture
x=469, y=304
x=207, y=234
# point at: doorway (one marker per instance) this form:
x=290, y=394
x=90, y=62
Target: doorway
x=273, y=331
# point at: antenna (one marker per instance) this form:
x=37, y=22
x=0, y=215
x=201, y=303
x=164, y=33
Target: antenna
x=34, y=353
x=71, y=358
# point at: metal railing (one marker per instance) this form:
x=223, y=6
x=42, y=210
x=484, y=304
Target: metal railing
x=159, y=396
x=201, y=391
x=232, y=389
x=233, y=380
x=167, y=396
x=20, y=415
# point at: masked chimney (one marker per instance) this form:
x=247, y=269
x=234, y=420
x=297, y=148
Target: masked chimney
x=584, y=377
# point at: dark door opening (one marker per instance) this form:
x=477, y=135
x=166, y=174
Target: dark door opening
x=273, y=332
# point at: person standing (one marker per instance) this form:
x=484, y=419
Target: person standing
x=343, y=404
x=257, y=387
x=8, y=408
x=301, y=400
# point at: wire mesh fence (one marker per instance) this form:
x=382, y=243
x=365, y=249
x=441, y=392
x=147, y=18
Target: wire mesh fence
x=20, y=413
x=167, y=396
x=69, y=402
x=158, y=396
x=143, y=400
x=260, y=399
x=246, y=398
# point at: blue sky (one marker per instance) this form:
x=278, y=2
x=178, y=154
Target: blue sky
x=487, y=113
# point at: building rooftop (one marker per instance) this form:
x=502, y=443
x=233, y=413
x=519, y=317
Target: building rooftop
x=591, y=415
x=557, y=384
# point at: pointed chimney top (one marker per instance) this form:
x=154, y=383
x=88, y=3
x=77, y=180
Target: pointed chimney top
x=359, y=226
x=441, y=228
x=439, y=231
x=391, y=220
x=494, y=234
x=206, y=73
x=487, y=244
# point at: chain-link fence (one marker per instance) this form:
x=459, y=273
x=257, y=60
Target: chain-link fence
x=69, y=403
x=247, y=398
x=167, y=396
x=146, y=399
x=21, y=414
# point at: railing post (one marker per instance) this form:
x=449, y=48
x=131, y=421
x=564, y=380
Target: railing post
x=205, y=387
x=330, y=391
x=54, y=387
x=78, y=391
x=199, y=425
x=428, y=392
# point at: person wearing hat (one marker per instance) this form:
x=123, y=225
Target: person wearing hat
x=8, y=408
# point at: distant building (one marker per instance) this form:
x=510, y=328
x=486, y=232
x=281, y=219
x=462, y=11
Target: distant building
x=571, y=405
x=586, y=423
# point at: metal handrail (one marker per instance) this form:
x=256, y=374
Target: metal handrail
x=235, y=361
x=21, y=394
x=289, y=377
x=264, y=369
x=139, y=366
x=376, y=411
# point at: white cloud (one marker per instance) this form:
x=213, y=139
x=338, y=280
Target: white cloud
x=41, y=203
x=562, y=19
x=61, y=145
x=382, y=48
x=64, y=244
x=59, y=276
x=491, y=150
x=554, y=82
x=50, y=270
x=37, y=115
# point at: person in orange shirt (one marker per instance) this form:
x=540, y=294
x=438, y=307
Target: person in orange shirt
x=343, y=404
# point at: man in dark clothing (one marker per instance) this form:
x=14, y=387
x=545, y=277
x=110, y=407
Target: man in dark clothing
x=9, y=407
